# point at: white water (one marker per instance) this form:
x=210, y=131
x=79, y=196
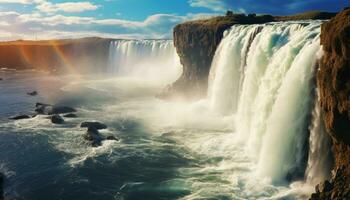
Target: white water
x=264, y=75
x=261, y=104
x=320, y=156
x=228, y=65
x=149, y=59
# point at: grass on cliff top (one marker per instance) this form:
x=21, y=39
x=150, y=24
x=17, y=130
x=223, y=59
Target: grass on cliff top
x=53, y=42
x=252, y=18
x=306, y=16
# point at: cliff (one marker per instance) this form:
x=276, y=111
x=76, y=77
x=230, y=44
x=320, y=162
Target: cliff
x=71, y=55
x=334, y=84
x=196, y=43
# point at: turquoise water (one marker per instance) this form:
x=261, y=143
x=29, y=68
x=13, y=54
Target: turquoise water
x=167, y=150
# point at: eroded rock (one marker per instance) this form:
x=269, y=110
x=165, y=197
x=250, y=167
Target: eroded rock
x=335, y=189
x=33, y=93
x=2, y=178
x=70, y=115
x=57, y=119
x=47, y=109
x=333, y=80
x=93, y=137
x=111, y=137
x=18, y=117
x=96, y=125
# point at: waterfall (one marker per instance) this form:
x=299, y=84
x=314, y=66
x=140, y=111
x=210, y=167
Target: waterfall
x=264, y=75
x=228, y=66
x=144, y=58
x=320, y=156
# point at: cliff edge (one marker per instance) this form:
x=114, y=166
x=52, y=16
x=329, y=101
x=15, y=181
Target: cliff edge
x=334, y=84
x=70, y=55
x=196, y=43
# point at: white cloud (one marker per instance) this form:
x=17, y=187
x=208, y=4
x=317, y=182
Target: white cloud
x=216, y=5
x=43, y=26
x=17, y=1
x=49, y=7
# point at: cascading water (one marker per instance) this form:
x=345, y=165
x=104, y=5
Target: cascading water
x=264, y=75
x=155, y=59
x=228, y=65
x=320, y=156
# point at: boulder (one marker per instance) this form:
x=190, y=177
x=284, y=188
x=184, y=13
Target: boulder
x=111, y=137
x=34, y=93
x=38, y=104
x=96, y=125
x=18, y=117
x=42, y=108
x=93, y=137
x=2, y=177
x=48, y=109
x=57, y=119
x=324, y=187
x=70, y=115
x=61, y=110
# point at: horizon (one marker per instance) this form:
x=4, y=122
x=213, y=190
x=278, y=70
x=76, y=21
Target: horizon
x=99, y=102
x=132, y=19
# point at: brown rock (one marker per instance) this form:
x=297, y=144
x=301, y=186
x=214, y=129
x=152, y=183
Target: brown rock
x=333, y=81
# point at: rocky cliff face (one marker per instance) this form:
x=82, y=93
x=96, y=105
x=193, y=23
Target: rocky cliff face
x=74, y=55
x=196, y=43
x=334, y=85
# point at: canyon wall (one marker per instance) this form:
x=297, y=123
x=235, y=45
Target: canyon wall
x=73, y=55
x=334, y=84
x=196, y=43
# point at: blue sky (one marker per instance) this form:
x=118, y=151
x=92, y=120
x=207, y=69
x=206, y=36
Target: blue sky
x=42, y=19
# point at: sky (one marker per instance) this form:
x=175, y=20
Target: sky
x=152, y=19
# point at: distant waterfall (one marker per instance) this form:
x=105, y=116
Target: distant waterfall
x=144, y=58
x=264, y=74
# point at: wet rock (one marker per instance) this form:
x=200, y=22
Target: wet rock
x=42, y=108
x=335, y=189
x=34, y=93
x=96, y=125
x=70, y=115
x=42, y=104
x=47, y=109
x=325, y=186
x=111, y=137
x=57, y=119
x=93, y=137
x=2, y=177
x=333, y=81
x=61, y=110
x=18, y=117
